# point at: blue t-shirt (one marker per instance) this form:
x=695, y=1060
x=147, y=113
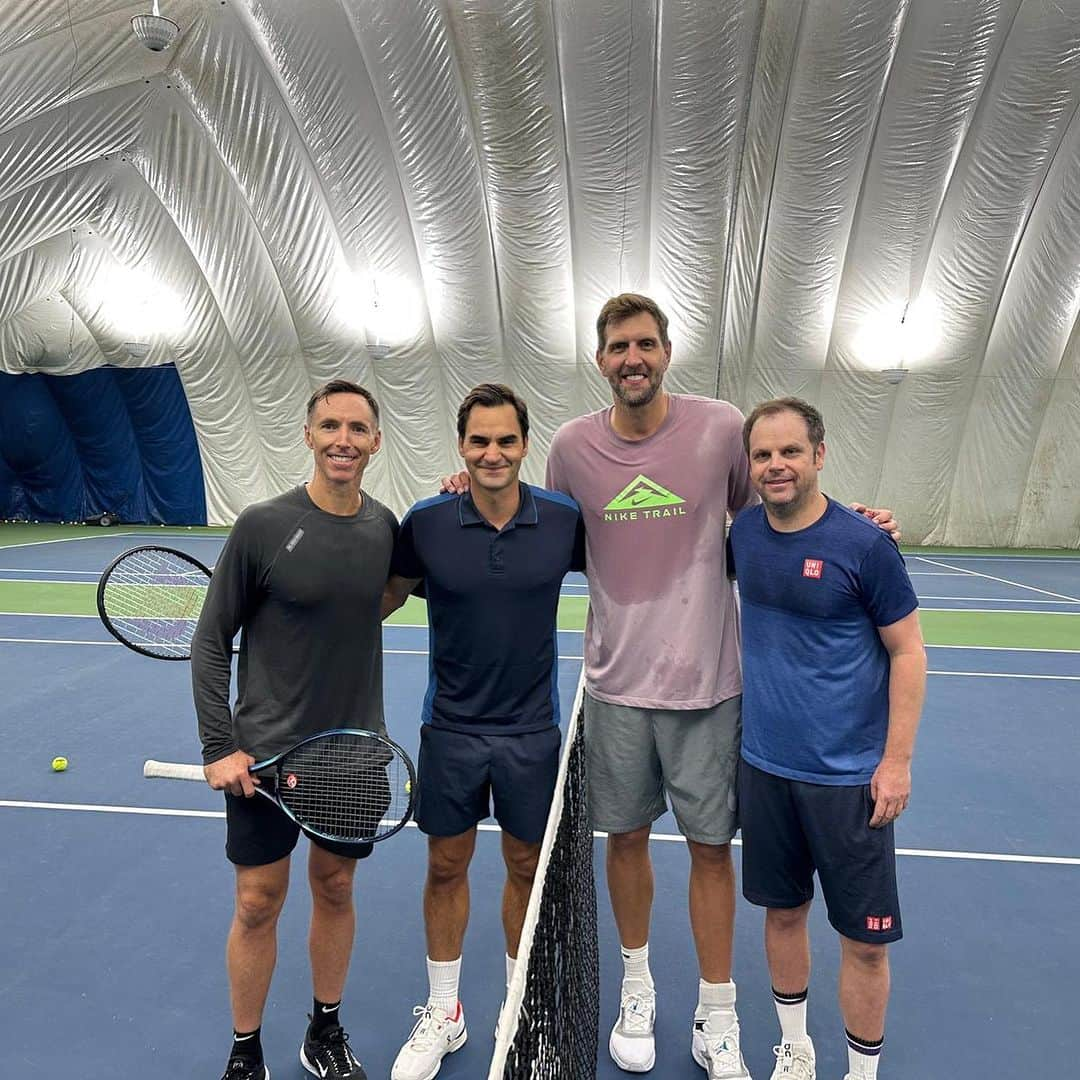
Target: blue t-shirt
x=815, y=671
x=493, y=597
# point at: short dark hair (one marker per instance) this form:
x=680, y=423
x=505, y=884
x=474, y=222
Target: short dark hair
x=342, y=386
x=622, y=307
x=490, y=396
x=815, y=426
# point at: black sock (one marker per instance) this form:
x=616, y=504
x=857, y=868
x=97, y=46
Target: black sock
x=323, y=1015
x=248, y=1044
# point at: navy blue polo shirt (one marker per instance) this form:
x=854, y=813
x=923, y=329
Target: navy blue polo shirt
x=492, y=599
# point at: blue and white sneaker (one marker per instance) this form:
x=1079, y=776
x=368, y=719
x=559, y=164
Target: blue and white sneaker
x=715, y=1047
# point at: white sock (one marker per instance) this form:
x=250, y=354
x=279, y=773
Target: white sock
x=716, y=998
x=636, y=964
x=510, y=962
x=863, y=1057
x=791, y=1012
x=443, y=976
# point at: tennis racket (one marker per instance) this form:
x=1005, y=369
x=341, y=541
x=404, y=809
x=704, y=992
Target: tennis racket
x=348, y=785
x=149, y=599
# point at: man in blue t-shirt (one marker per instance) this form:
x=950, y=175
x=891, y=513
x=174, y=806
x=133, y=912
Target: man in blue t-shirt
x=834, y=673
x=492, y=562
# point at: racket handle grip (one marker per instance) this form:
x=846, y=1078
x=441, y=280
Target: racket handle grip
x=172, y=770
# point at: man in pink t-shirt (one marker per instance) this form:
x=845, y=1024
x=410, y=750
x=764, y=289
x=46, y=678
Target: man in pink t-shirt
x=656, y=476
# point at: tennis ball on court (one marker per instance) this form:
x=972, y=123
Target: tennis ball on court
x=408, y=786
x=59, y=764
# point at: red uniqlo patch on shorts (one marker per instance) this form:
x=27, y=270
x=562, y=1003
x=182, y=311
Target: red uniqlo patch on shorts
x=873, y=922
x=886, y=922
x=812, y=568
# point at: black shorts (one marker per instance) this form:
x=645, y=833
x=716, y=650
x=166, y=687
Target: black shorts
x=459, y=776
x=259, y=833
x=791, y=828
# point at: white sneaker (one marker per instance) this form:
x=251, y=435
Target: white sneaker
x=716, y=1048
x=435, y=1035
x=631, y=1045
x=794, y=1061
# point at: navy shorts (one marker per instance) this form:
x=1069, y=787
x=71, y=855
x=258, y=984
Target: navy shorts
x=460, y=776
x=259, y=833
x=791, y=828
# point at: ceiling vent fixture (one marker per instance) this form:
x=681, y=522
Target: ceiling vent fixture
x=155, y=31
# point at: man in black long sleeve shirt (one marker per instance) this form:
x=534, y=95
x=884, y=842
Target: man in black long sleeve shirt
x=301, y=577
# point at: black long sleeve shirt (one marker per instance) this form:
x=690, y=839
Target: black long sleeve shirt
x=304, y=588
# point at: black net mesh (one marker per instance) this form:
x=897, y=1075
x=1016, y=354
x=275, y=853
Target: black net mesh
x=558, y=1015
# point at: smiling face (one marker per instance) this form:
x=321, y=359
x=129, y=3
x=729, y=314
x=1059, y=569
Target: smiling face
x=784, y=464
x=634, y=359
x=342, y=433
x=493, y=448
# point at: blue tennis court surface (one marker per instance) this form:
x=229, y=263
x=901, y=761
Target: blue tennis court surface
x=117, y=895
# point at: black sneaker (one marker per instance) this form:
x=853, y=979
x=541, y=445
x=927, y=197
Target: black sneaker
x=242, y=1068
x=327, y=1055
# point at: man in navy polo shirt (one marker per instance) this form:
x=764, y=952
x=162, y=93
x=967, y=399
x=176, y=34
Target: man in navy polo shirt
x=834, y=673
x=491, y=562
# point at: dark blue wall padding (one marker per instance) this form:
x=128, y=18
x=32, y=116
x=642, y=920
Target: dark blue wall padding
x=112, y=439
x=171, y=466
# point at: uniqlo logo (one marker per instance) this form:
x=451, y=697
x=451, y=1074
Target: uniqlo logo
x=886, y=922
x=812, y=568
x=873, y=922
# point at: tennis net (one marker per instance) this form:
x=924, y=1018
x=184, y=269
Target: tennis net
x=548, y=1027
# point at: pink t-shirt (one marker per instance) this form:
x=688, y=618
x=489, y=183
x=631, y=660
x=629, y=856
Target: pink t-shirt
x=661, y=631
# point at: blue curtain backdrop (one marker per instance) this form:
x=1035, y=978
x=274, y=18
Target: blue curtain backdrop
x=116, y=440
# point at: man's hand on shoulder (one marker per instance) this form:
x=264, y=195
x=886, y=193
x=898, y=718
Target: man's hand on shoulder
x=455, y=484
x=231, y=774
x=882, y=518
x=890, y=788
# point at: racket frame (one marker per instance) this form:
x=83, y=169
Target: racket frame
x=166, y=770
x=103, y=582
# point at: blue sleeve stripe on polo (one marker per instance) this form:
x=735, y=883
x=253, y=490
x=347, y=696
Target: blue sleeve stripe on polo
x=555, y=711
x=555, y=497
x=423, y=504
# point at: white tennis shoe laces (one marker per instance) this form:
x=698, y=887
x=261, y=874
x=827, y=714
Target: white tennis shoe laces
x=715, y=1047
x=436, y=1034
x=795, y=1061
x=632, y=1046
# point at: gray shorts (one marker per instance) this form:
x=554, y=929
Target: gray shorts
x=635, y=756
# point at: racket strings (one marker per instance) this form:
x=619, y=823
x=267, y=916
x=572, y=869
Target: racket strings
x=154, y=598
x=346, y=787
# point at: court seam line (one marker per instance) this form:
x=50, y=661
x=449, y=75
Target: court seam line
x=1000, y=581
x=158, y=811
x=979, y=599
x=580, y=659
x=420, y=626
x=1067, y=559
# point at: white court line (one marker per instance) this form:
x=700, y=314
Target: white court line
x=580, y=659
x=998, y=600
x=1001, y=611
x=999, y=580
x=1007, y=675
x=934, y=573
x=51, y=641
x=1067, y=560
x=29, y=570
x=65, y=641
x=1004, y=648
x=63, y=540
x=155, y=811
